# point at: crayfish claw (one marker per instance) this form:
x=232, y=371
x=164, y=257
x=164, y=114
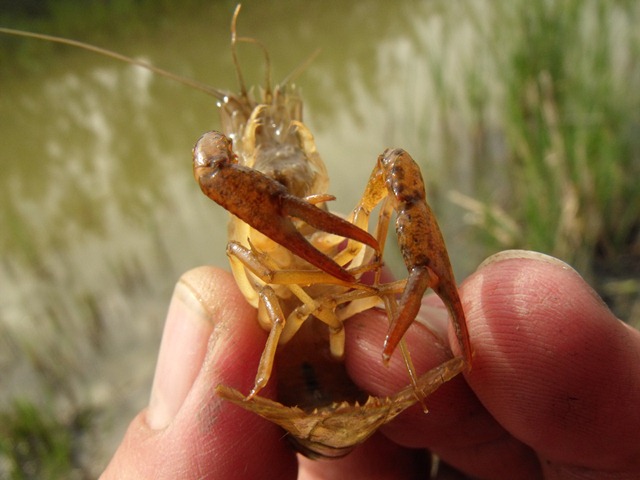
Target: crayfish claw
x=420, y=278
x=327, y=222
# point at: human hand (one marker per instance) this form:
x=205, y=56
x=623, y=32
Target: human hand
x=553, y=393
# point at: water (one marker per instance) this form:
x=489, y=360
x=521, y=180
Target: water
x=99, y=211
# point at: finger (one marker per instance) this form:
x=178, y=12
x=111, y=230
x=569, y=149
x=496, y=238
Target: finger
x=457, y=426
x=555, y=367
x=377, y=458
x=211, y=337
x=552, y=366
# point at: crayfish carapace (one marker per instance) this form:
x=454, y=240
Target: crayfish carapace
x=290, y=258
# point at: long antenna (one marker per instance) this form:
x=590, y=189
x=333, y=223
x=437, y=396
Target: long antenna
x=234, y=54
x=214, y=92
x=298, y=70
x=234, y=40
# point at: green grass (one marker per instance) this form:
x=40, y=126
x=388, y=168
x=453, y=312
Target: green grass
x=568, y=97
x=35, y=444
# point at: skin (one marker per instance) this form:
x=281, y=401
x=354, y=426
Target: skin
x=553, y=392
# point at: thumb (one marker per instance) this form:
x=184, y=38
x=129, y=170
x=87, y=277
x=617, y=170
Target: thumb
x=554, y=366
x=210, y=337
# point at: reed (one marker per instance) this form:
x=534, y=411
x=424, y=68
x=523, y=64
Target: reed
x=568, y=97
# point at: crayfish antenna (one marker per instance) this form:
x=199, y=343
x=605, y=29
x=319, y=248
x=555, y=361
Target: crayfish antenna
x=234, y=40
x=298, y=70
x=214, y=92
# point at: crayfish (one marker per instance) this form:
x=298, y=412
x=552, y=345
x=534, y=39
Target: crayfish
x=304, y=268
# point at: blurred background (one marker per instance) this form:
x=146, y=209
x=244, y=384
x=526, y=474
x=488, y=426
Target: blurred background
x=524, y=116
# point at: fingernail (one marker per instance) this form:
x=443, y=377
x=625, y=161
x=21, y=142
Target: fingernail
x=526, y=255
x=182, y=351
